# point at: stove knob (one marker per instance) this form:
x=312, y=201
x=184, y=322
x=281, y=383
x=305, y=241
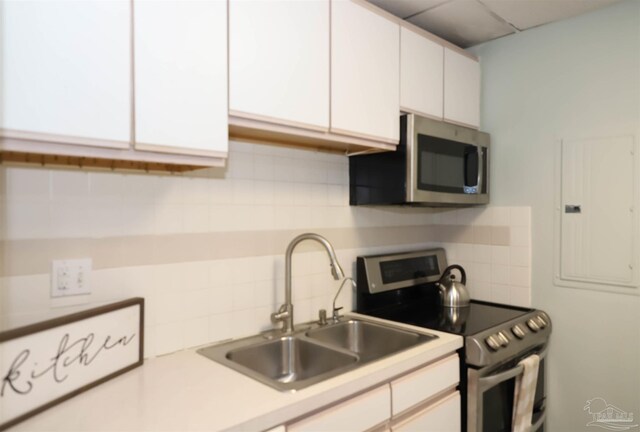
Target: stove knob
x=541, y=321
x=518, y=331
x=493, y=342
x=504, y=339
x=533, y=325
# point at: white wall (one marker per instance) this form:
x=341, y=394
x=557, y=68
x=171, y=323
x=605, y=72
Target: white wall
x=578, y=78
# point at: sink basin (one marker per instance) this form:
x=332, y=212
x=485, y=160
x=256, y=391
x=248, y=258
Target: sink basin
x=290, y=359
x=286, y=363
x=306, y=357
x=370, y=341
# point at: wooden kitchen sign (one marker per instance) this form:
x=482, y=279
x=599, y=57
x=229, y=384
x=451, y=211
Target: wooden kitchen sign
x=46, y=363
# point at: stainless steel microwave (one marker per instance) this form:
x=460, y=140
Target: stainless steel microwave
x=435, y=164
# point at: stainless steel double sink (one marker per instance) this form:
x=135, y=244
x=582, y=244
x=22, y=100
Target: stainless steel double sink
x=306, y=357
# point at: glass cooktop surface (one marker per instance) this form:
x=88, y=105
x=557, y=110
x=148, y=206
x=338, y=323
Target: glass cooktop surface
x=479, y=316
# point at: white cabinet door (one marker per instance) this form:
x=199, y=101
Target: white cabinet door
x=443, y=416
x=279, y=60
x=66, y=71
x=461, y=89
x=416, y=387
x=181, y=76
x=358, y=414
x=421, y=74
x=365, y=73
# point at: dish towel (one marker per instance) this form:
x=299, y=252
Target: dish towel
x=525, y=392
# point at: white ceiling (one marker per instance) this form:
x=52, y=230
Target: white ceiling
x=470, y=22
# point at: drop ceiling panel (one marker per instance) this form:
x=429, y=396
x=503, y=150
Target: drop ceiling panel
x=462, y=22
x=525, y=14
x=406, y=8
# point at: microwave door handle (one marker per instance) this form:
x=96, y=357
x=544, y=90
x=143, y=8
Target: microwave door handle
x=480, y=169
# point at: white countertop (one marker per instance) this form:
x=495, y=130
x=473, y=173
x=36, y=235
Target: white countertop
x=185, y=391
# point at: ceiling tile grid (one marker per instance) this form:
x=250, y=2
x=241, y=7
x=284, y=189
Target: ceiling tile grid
x=471, y=22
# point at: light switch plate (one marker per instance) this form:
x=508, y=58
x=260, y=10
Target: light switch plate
x=71, y=277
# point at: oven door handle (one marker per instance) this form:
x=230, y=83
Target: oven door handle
x=535, y=426
x=486, y=383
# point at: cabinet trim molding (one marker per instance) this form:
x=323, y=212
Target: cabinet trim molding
x=62, y=139
x=266, y=132
x=179, y=150
x=48, y=148
x=274, y=120
x=339, y=131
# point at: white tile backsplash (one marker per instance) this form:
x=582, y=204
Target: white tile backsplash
x=264, y=188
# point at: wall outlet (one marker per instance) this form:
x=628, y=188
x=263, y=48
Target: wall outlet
x=70, y=277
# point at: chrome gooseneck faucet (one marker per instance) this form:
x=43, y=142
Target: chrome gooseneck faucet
x=285, y=313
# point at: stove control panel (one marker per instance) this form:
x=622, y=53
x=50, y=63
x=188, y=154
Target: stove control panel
x=508, y=340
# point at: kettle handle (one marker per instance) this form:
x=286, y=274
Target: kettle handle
x=463, y=274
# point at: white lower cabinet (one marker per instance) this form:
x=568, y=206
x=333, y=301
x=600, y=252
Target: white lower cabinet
x=357, y=414
x=412, y=389
x=441, y=416
x=423, y=400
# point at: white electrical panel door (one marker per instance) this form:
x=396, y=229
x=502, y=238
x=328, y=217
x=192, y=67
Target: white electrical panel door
x=365, y=73
x=421, y=74
x=597, y=211
x=279, y=60
x=181, y=76
x=65, y=71
x=461, y=89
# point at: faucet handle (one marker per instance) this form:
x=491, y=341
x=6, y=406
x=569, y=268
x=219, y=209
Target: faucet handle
x=336, y=313
x=283, y=313
x=322, y=317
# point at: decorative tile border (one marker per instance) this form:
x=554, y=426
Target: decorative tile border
x=30, y=257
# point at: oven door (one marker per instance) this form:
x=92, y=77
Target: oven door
x=490, y=399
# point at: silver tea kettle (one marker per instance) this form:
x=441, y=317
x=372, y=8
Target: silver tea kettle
x=452, y=292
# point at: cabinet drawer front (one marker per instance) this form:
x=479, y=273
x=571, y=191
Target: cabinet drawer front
x=443, y=416
x=420, y=385
x=358, y=414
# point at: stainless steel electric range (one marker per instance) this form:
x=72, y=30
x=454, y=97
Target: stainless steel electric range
x=401, y=287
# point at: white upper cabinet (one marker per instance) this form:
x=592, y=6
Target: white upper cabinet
x=279, y=61
x=461, y=89
x=181, y=76
x=421, y=74
x=365, y=73
x=66, y=71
